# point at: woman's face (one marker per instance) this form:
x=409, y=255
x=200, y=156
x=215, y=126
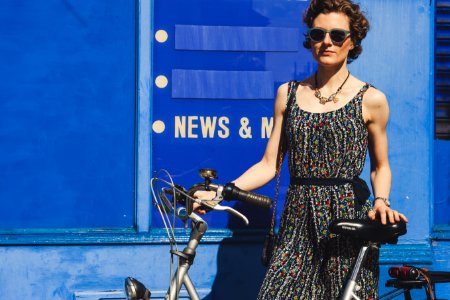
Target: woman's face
x=327, y=53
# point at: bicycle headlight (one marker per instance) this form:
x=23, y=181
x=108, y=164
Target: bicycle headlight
x=135, y=290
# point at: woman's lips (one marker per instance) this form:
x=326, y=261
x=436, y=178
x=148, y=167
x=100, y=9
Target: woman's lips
x=327, y=52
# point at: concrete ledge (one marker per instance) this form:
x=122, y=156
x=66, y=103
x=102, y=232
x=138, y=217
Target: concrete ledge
x=154, y=236
x=120, y=294
x=441, y=232
x=418, y=253
x=406, y=254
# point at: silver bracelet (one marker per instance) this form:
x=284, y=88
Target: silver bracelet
x=385, y=200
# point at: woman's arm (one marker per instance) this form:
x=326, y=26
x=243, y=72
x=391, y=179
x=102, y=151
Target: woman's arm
x=376, y=115
x=264, y=170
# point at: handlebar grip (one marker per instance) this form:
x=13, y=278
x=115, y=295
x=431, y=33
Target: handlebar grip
x=231, y=192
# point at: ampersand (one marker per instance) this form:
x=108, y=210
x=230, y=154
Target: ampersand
x=245, y=131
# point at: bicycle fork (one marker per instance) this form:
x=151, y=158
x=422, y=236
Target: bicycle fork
x=186, y=259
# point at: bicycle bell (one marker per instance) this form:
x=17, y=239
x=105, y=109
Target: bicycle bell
x=208, y=174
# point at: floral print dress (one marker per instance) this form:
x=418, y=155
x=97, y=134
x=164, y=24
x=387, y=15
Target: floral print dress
x=308, y=261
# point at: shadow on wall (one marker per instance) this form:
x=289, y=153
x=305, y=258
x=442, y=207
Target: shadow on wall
x=239, y=269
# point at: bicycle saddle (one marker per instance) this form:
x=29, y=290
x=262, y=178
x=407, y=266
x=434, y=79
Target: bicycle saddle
x=368, y=230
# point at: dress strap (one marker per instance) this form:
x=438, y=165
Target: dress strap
x=363, y=90
x=292, y=90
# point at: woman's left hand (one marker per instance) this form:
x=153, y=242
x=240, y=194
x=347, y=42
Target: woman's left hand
x=385, y=213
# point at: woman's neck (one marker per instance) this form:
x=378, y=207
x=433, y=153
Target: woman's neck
x=331, y=78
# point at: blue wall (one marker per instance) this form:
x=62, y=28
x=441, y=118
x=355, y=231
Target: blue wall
x=67, y=112
x=92, y=263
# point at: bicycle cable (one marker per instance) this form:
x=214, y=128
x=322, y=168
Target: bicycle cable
x=159, y=200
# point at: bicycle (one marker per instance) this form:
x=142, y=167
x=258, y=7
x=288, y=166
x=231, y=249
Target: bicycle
x=134, y=289
x=373, y=233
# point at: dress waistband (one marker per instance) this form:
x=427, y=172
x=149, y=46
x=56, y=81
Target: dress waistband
x=360, y=188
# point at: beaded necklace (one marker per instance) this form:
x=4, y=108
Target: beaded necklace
x=323, y=100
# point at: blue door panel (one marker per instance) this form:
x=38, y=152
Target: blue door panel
x=223, y=61
x=442, y=118
x=67, y=114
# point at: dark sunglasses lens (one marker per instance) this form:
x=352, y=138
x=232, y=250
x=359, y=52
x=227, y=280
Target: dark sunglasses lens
x=316, y=35
x=338, y=36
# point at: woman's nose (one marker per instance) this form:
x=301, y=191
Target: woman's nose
x=327, y=40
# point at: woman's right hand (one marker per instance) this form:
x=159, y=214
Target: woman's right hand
x=202, y=195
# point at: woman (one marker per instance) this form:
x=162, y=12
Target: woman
x=331, y=119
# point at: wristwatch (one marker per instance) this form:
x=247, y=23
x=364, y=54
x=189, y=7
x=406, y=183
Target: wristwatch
x=385, y=200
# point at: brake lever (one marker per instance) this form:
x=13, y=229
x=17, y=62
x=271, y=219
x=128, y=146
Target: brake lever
x=233, y=212
x=214, y=204
x=211, y=204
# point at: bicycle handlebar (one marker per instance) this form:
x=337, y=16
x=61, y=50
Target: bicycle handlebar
x=226, y=192
x=231, y=192
x=222, y=192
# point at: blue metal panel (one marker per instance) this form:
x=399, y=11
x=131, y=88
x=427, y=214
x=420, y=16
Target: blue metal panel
x=67, y=114
x=442, y=184
x=442, y=117
x=187, y=144
x=236, y=38
x=222, y=84
x=227, y=95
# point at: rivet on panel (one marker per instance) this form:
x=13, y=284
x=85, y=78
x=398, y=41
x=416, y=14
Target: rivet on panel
x=158, y=126
x=161, y=81
x=161, y=36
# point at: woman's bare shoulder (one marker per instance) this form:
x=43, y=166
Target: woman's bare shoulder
x=281, y=98
x=374, y=98
x=375, y=106
x=283, y=88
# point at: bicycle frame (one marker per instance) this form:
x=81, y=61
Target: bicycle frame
x=186, y=259
x=351, y=285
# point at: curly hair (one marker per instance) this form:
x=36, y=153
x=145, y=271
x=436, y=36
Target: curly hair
x=359, y=25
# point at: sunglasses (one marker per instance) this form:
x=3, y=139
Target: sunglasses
x=337, y=36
